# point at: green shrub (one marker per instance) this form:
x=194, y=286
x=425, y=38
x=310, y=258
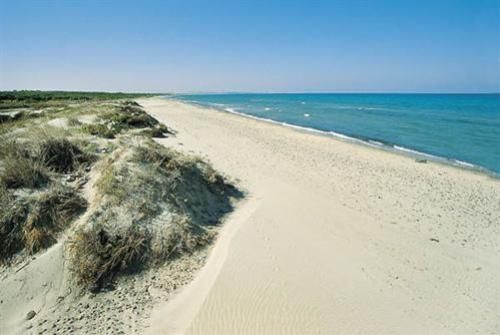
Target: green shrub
x=130, y=116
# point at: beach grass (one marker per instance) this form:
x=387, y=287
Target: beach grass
x=146, y=204
x=166, y=200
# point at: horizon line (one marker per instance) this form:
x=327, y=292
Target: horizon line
x=250, y=92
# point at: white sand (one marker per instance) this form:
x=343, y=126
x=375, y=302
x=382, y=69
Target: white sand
x=335, y=237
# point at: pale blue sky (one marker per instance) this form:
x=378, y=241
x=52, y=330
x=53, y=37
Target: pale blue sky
x=260, y=46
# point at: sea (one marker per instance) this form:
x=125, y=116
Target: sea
x=459, y=129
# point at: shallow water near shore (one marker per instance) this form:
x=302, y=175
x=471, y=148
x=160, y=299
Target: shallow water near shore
x=463, y=129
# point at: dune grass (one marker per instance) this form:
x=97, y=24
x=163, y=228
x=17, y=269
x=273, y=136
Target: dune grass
x=126, y=116
x=28, y=164
x=12, y=219
x=152, y=204
x=21, y=168
x=165, y=200
x=101, y=130
x=61, y=155
x=32, y=218
x=50, y=214
x=98, y=255
x=33, y=223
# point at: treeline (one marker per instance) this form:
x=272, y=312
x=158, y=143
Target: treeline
x=41, y=99
x=44, y=96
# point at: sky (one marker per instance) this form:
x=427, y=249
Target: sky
x=251, y=46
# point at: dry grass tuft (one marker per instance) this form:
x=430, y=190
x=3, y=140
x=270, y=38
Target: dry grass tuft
x=50, y=215
x=21, y=168
x=61, y=155
x=12, y=218
x=157, y=131
x=98, y=255
x=28, y=164
x=101, y=130
x=74, y=122
x=180, y=237
x=131, y=103
x=110, y=185
x=32, y=224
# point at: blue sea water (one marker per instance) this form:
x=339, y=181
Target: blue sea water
x=462, y=128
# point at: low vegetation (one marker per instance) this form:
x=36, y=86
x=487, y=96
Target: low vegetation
x=167, y=201
x=29, y=163
x=148, y=204
x=20, y=167
x=101, y=130
x=49, y=215
x=98, y=256
x=31, y=223
x=31, y=219
x=60, y=155
x=129, y=115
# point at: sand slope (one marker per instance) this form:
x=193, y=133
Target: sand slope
x=336, y=237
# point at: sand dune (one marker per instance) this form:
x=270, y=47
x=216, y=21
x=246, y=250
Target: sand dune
x=336, y=237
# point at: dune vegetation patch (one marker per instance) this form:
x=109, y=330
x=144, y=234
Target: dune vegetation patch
x=50, y=213
x=29, y=163
x=32, y=223
x=125, y=116
x=61, y=155
x=98, y=255
x=156, y=204
x=37, y=202
x=86, y=176
x=20, y=168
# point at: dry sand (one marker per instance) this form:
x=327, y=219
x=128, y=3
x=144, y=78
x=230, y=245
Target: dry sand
x=335, y=237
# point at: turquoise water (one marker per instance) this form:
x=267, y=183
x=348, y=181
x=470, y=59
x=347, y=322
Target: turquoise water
x=464, y=129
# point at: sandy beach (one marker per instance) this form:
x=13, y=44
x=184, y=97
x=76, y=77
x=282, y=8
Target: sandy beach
x=335, y=237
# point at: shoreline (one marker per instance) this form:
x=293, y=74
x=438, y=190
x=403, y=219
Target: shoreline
x=335, y=233
x=367, y=142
